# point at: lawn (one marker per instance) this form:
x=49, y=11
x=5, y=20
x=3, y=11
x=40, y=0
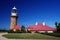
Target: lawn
x=53, y=34
x=28, y=36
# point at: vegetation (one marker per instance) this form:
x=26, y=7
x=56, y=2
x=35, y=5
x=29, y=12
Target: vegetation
x=11, y=31
x=28, y=36
x=57, y=26
x=3, y=30
x=23, y=29
x=53, y=34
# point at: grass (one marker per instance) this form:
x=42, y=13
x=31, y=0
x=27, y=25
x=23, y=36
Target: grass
x=28, y=36
x=53, y=34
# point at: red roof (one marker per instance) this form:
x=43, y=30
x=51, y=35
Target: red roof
x=40, y=27
x=17, y=27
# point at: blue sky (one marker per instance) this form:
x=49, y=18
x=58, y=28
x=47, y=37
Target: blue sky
x=30, y=11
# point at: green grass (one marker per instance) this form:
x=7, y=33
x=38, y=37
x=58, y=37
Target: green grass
x=53, y=34
x=28, y=36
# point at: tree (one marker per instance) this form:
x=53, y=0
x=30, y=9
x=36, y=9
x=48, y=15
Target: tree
x=23, y=29
x=57, y=26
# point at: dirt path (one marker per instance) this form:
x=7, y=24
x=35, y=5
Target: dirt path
x=1, y=37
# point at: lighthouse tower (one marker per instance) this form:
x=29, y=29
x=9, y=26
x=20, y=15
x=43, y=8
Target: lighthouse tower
x=13, y=20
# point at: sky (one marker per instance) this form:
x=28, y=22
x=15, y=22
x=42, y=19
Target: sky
x=30, y=12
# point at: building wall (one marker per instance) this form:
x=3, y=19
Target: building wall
x=42, y=31
x=49, y=31
x=13, y=22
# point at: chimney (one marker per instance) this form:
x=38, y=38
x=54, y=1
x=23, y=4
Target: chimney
x=43, y=23
x=36, y=23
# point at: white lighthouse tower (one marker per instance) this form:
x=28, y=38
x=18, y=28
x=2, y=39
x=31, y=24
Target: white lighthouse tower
x=13, y=20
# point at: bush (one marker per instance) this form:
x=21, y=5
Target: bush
x=11, y=31
x=3, y=30
x=23, y=29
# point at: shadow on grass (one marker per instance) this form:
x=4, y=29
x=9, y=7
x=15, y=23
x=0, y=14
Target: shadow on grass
x=52, y=34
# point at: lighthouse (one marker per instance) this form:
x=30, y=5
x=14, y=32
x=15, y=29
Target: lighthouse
x=13, y=18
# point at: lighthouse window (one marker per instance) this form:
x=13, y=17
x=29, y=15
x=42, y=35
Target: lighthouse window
x=14, y=11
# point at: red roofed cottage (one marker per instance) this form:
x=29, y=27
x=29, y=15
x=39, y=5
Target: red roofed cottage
x=17, y=27
x=42, y=28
